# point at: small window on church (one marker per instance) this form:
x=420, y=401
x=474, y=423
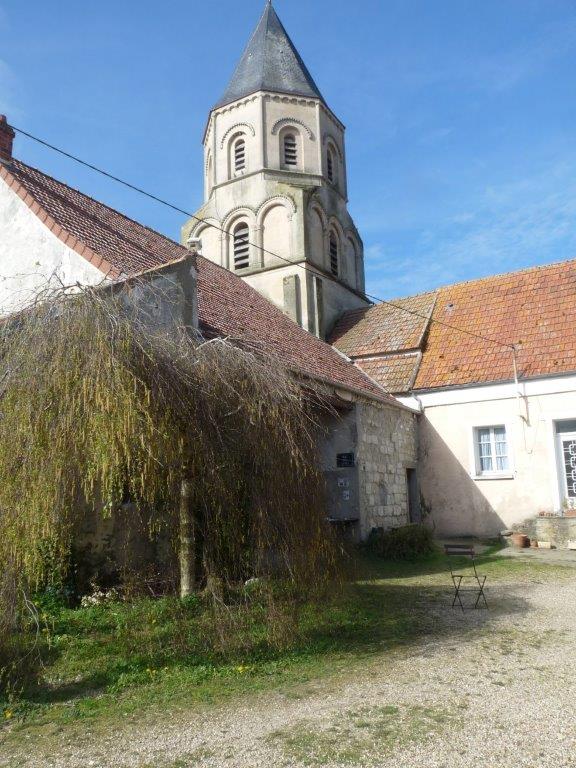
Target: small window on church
x=241, y=246
x=333, y=254
x=290, y=150
x=240, y=155
x=330, y=166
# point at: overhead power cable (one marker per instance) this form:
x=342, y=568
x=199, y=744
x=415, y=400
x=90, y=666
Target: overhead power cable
x=304, y=267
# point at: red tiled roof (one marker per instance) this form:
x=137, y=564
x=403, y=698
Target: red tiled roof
x=230, y=307
x=227, y=306
x=534, y=309
x=396, y=373
x=114, y=243
x=383, y=328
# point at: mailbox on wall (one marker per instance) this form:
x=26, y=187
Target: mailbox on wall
x=342, y=489
x=345, y=460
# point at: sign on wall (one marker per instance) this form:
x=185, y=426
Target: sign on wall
x=345, y=460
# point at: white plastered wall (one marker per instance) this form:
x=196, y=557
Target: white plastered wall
x=31, y=256
x=463, y=503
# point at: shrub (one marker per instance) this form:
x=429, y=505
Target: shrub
x=51, y=600
x=215, y=446
x=406, y=543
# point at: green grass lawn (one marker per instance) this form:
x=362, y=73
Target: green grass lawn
x=119, y=661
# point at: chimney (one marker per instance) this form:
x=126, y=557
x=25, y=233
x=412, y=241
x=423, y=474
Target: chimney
x=6, y=138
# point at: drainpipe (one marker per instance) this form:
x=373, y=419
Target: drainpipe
x=517, y=384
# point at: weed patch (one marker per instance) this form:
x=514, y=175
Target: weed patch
x=363, y=736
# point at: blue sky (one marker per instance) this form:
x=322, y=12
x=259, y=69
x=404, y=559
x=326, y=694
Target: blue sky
x=460, y=115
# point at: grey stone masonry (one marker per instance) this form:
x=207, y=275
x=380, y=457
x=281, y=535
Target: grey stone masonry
x=558, y=531
x=387, y=448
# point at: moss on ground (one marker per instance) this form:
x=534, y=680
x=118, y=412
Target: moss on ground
x=364, y=736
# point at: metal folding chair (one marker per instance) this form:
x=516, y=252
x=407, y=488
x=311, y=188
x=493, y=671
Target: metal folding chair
x=465, y=550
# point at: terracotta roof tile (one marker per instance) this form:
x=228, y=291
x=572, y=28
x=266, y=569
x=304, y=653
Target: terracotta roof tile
x=534, y=309
x=120, y=242
x=396, y=373
x=227, y=305
x=383, y=328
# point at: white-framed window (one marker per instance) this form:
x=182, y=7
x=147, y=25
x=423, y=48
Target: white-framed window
x=491, y=451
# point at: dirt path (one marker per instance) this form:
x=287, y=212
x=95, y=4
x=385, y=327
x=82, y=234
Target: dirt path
x=501, y=695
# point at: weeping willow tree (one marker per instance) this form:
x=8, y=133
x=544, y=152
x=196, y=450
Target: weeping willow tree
x=216, y=442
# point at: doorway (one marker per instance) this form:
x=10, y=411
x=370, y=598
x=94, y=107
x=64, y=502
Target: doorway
x=566, y=452
x=414, y=512
x=566, y=457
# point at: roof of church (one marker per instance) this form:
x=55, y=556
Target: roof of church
x=227, y=306
x=534, y=309
x=270, y=63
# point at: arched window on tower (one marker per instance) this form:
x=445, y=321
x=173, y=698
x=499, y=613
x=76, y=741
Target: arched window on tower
x=239, y=155
x=290, y=150
x=241, y=246
x=331, y=165
x=334, y=254
x=209, y=173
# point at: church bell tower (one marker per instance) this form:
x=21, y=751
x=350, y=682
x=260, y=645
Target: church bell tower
x=275, y=182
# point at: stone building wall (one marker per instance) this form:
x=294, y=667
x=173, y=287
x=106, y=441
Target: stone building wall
x=118, y=546
x=559, y=531
x=387, y=449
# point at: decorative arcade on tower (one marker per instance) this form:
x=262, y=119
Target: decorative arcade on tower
x=275, y=186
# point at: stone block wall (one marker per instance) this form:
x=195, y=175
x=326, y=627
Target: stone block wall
x=559, y=531
x=119, y=545
x=387, y=448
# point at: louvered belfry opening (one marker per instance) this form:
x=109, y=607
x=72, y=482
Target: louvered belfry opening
x=333, y=254
x=241, y=246
x=330, y=164
x=240, y=155
x=290, y=150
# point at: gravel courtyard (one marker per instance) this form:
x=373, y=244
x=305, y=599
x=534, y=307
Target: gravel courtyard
x=485, y=688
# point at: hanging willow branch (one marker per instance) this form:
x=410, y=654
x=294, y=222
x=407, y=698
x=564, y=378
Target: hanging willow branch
x=95, y=402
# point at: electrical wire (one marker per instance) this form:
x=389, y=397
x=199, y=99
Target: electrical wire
x=176, y=208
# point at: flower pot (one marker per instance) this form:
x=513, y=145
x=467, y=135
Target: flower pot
x=520, y=540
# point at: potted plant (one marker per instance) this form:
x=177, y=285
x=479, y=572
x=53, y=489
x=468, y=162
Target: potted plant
x=569, y=507
x=520, y=540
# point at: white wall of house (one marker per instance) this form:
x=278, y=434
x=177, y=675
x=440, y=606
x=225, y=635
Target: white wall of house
x=464, y=499
x=32, y=257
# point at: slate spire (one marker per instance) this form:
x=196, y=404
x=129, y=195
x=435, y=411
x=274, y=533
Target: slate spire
x=270, y=63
